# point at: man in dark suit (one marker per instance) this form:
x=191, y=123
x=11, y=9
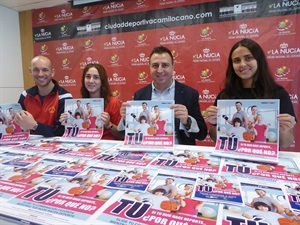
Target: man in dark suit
x=189, y=123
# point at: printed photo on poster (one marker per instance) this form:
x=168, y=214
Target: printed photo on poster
x=186, y=160
x=168, y=200
x=285, y=170
x=292, y=189
x=248, y=129
x=114, y=156
x=10, y=131
x=84, y=119
x=264, y=204
x=218, y=188
x=149, y=125
x=133, y=178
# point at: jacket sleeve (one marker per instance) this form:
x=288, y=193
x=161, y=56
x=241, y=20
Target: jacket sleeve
x=195, y=112
x=21, y=100
x=192, y=104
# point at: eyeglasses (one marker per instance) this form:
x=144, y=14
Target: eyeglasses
x=163, y=65
x=37, y=70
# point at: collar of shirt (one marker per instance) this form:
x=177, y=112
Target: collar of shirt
x=167, y=94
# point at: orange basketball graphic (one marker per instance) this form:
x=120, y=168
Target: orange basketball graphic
x=136, y=177
x=287, y=221
x=151, y=130
x=9, y=130
x=16, y=178
x=265, y=167
x=76, y=191
x=190, y=161
x=168, y=205
x=82, y=150
x=85, y=125
x=220, y=186
x=248, y=136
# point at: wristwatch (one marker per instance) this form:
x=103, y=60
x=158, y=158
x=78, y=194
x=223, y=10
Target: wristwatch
x=35, y=127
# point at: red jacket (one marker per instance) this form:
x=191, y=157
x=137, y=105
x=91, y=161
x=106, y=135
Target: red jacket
x=46, y=110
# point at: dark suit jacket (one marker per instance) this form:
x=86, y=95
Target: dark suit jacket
x=189, y=97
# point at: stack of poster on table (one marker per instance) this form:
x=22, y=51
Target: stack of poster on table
x=248, y=141
x=48, y=181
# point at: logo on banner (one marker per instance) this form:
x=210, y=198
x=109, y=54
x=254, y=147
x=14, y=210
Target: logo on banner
x=244, y=32
x=44, y=49
x=42, y=18
x=86, y=11
x=67, y=81
x=142, y=77
x=205, y=76
x=42, y=35
x=141, y=4
x=114, y=59
x=114, y=43
x=65, y=64
x=281, y=73
x=116, y=79
x=89, y=60
x=142, y=60
x=88, y=45
x=284, y=25
x=284, y=6
x=113, y=7
x=206, y=97
x=90, y=27
x=238, y=9
x=141, y=39
x=116, y=93
x=65, y=48
x=284, y=51
x=64, y=15
x=172, y=38
x=207, y=56
x=63, y=31
x=206, y=32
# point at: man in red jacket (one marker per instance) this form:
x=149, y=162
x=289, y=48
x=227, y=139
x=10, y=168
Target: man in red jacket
x=43, y=103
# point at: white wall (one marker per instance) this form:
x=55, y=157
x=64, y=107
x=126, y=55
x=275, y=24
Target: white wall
x=11, y=75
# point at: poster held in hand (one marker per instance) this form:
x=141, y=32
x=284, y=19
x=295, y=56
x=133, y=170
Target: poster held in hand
x=149, y=126
x=248, y=129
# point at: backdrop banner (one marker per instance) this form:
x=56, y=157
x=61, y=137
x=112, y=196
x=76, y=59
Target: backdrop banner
x=120, y=35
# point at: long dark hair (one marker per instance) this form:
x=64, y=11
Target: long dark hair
x=263, y=84
x=105, y=91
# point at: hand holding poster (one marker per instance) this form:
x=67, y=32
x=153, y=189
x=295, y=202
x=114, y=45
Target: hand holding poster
x=83, y=119
x=10, y=131
x=248, y=129
x=149, y=126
